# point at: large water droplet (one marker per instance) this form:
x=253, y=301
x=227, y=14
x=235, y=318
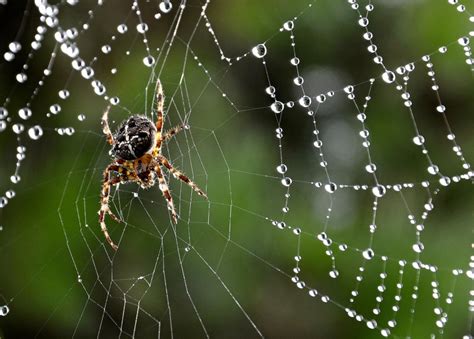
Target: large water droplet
x=4, y=310
x=35, y=132
x=330, y=187
x=3, y=112
x=289, y=25
x=165, y=6
x=419, y=140
x=142, y=27
x=388, y=77
x=148, y=61
x=25, y=113
x=368, y=254
x=379, y=191
x=259, y=51
x=282, y=169
x=305, y=101
x=277, y=107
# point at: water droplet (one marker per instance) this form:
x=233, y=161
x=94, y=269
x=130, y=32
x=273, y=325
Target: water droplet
x=294, y=61
x=18, y=128
x=368, y=254
x=35, y=132
x=372, y=324
x=3, y=113
x=287, y=181
x=289, y=25
x=298, y=81
x=14, y=46
x=318, y=143
x=330, y=187
x=441, y=108
x=363, y=22
x=321, y=98
x=148, y=61
x=142, y=27
x=21, y=77
x=463, y=41
x=4, y=310
x=334, y=274
x=9, y=56
x=165, y=6
x=371, y=168
x=388, y=77
x=419, y=140
x=433, y=169
x=277, y=107
x=122, y=28
x=63, y=94
x=81, y=117
x=444, y=181
x=55, y=109
x=259, y=51
x=270, y=90
x=87, y=72
x=282, y=169
x=313, y=293
x=379, y=191
x=418, y=247
x=305, y=101
x=25, y=113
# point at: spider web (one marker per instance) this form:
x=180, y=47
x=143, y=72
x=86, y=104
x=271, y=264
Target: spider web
x=340, y=191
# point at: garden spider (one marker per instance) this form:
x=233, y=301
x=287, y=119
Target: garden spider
x=136, y=148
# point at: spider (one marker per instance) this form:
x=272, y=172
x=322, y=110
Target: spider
x=136, y=151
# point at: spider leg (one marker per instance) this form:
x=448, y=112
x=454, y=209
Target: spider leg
x=163, y=185
x=168, y=135
x=180, y=175
x=160, y=101
x=105, y=194
x=105, y=126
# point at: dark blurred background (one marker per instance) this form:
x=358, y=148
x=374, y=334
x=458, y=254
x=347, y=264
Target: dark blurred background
x=59, y=279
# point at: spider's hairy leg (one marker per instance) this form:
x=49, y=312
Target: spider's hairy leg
x=180, y=175
x=168, y=135
x=104, y=201
x=160, y=102
x=105, y=126
x=163, y=185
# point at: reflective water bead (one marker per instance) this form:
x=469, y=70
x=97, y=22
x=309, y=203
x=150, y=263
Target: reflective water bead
x=122, y=28
x=270, y=90
x=287, y=181
x=388, y=77
x=4, y=310
x=8, y=56
x=55, y=109
x=282, y=169
x=334, y=274
x=3, y=202
x=371, y=168
x=289, y=25
x=21, y=77
x=298, y=80
x=14, y=46
x=433, y=169
x=81, y=117
x=368, y=35
x=463, y=41
x=87, y=72
x=259, y=51
x=277, y=107
x=25, y=113
x=15, y=179
x=342, y=247
x=419, y=140
x=18, y=128
x=294, y=61
x=10, y=194
x=330, y=187
x=149, y=61
x=318, y=143
x=441, y=108
x=368, y=254
x=321, y=98
x=305, y=101
x=35, y=132
x=3, y=112
x=372, y=324
x=379, y=191
x=63, y=94
x=418, y=247
x=444, y=181
x=142, y=27
x=363, y=22
x=313, y=293
x=106, y=49
x=165, y=6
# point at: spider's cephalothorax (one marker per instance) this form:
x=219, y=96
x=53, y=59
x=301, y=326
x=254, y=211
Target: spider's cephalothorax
x=136, y=148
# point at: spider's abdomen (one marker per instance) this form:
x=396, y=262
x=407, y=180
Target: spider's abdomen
x=134, y=138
